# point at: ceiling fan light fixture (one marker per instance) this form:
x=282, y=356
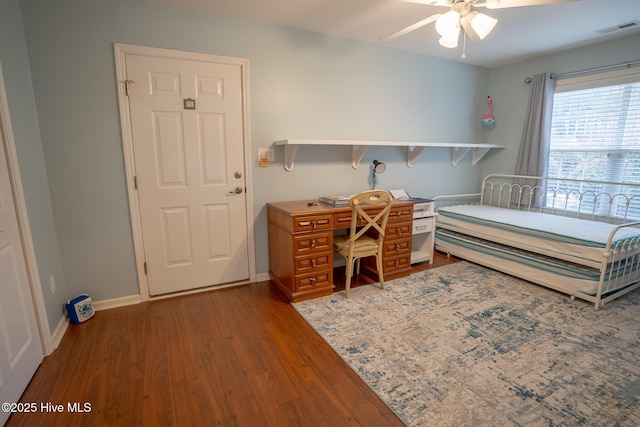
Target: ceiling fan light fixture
x=450, y=40
x=447, y=22
x=479, y=25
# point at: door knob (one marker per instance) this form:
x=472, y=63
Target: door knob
x=238, y=175
x=237, y=190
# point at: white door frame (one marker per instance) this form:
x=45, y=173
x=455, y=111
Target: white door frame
x=23, y=222
x=121, y=50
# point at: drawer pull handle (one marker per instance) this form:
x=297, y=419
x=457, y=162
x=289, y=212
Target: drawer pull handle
x=421, y=227
x=313, y=243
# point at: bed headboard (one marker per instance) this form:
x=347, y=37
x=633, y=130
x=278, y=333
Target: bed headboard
x=608, y=201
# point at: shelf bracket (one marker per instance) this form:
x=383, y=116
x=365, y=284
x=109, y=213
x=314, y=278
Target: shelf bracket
x=478, y=154
x=457, y=154
x=290, y=151
x=413, y=153
x=357, y=153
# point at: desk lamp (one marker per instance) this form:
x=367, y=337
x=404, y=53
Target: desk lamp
x=378, y=167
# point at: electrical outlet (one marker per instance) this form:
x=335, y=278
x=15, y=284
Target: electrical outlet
x=267, y=153
x=52, y=282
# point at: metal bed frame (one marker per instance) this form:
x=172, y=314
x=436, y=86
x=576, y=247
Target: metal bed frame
x=606, y=201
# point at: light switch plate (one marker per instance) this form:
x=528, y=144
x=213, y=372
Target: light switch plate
x=267, y=153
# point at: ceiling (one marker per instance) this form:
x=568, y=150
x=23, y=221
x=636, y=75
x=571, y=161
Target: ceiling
x=521, y=32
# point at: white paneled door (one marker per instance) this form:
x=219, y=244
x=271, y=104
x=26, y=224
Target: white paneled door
x=20, y=345
x=188, y=143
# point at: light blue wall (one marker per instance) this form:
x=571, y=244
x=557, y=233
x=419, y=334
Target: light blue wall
x=511, y=95
x=24, y=122
x=302, y=85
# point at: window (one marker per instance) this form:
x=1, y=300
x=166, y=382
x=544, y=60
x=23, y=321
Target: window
x=595, y=135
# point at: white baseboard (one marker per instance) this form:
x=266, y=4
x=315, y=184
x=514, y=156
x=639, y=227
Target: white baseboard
x=116, y=302
x=261, y=277
x=58, y=333
x=137, y=299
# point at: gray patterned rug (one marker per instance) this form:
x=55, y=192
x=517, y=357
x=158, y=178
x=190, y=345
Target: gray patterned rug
x=462, y=345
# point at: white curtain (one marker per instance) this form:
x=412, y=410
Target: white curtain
x=533, y=156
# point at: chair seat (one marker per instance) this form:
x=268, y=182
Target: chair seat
x=364, y=244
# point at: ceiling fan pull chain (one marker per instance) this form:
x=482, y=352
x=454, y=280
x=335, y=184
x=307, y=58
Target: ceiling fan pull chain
x=464, y=45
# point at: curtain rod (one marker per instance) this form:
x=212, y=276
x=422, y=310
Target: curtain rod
x=626, y=64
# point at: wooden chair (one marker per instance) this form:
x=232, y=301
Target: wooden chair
x=358, y=244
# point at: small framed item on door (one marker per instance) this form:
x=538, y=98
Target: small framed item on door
x=80, y=308
x=189, y=104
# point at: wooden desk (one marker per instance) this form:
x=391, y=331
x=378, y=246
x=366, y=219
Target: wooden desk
x=301, y=246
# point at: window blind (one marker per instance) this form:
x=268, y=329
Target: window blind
x=595, y=135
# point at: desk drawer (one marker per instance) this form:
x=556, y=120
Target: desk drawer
x=395, y=230
x=422, y=225
x=421, y=210
x=392, y=265
x=343, y=219
x=396, y=247
x=312, y=223
x=310, y=264
x=401, y=213
x=317, y=280
x=304, y=244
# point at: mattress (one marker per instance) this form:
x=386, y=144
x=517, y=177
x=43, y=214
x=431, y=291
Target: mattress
x=552, y=272
x=575, y=240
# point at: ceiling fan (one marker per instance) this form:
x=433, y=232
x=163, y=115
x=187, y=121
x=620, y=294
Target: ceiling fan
x=462, y=15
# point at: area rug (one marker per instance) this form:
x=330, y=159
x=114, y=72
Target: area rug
x=462, y=345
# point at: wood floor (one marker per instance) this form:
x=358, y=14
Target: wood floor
x=239, y=356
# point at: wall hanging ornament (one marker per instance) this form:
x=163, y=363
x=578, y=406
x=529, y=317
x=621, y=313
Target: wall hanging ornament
x=488, y=120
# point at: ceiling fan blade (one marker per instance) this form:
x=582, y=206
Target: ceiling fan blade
x=502, y=4
x=431, y=2
x=410, y=28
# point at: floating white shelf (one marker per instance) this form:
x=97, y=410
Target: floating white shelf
x=359, y=148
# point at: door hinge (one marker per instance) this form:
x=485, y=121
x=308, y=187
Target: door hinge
x=145, y=268
x=135, y=182
x=126, y=86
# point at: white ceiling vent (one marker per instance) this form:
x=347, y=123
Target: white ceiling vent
x=625, y=26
